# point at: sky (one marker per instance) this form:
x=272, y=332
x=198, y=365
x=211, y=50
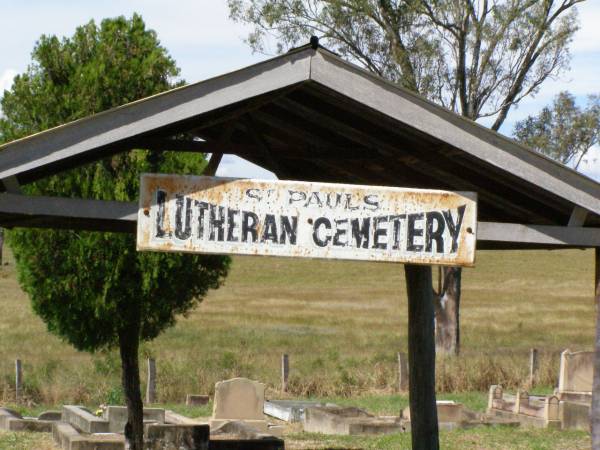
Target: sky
x=205, y=42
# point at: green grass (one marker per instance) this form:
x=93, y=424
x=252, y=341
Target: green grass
x=25, y=441
x=500, y=438
x=342, y=323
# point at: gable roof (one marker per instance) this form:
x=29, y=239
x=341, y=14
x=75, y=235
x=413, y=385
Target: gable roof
x=309, y=115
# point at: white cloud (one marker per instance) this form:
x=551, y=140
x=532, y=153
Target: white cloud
x=234, y=166
x=590, y=165
x=587, y=39
x=6, y=79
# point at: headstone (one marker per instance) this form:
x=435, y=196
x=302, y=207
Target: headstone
x=521, y=399
x=495, y=393
x=239, y=399
x=196, y=400
x=551, y=408
x=576, y=371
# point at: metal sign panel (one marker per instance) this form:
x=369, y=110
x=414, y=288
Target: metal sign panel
x=200, y=214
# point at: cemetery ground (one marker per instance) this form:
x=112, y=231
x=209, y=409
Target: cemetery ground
x=342, y=324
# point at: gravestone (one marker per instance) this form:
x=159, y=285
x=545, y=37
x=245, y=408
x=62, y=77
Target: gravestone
x=196, y=400
x=239, y=399
x=576, y=372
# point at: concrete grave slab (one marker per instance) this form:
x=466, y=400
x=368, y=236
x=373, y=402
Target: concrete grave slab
x=239, y=399
x=575, y=416
x=50, y=415
x=13, y=421
x=177, y=437
x=238, y=435
x=117, y=417
x=83, y=419
x=68, y=437
x=196, y=400
x=448, y=411
x=6, y=415
x=289, y=410
x=347, y=421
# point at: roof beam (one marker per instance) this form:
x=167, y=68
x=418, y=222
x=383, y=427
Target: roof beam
x=11, y=184
x=445, y=157
x=578, y=216
x=47, y=212
x=426, y=117
x=160, y=112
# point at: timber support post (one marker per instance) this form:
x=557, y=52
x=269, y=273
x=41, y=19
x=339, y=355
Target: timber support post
x=595, y=409
x=18, y=381
x=151, y=386
x=421, y=358
x=285, y=372
x=533, y=367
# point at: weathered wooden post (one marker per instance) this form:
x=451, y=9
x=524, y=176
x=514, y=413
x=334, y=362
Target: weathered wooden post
x=533, y=366
x=421, y=358
x=18, y=380
x=595, y=410
x=285, y=372
x=402, y=372
x=151, y=387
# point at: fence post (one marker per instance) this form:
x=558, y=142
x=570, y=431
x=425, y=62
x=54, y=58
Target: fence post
x=151, y=387
x=18, y=380
x=285, y=372
x=533, y=366
x=402, y=372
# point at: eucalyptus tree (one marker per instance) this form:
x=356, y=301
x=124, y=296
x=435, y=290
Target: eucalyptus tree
x=563, y=130
x=478, y=58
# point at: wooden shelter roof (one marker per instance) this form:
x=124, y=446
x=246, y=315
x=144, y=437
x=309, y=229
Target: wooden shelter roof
x=309, y=115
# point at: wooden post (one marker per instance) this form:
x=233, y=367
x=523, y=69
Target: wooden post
x=151, y=387
x=595, y=410
x=533, y=366
x=1, y=245
x=285, y=372
x=421, y=358
x=18, y=380
x=402, y=372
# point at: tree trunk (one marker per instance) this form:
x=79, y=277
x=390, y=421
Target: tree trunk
x=128, y=346
x=421, y=358
x=1, y=245
x=595, y=410
x=447, y=312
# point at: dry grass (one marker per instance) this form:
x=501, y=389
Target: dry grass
x=341, y=323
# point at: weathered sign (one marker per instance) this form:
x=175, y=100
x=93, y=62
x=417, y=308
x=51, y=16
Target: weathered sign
x=318, y=220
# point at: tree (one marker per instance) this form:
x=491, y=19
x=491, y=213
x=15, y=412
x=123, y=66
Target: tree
x=476, y=57
x=93, y=289
x=563, y=130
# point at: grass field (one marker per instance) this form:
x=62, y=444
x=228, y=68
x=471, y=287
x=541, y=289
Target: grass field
x=342, y=324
